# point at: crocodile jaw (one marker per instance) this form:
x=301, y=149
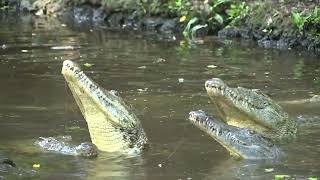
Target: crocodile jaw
x=248, y=108
x=112, y=125
x=240, y=142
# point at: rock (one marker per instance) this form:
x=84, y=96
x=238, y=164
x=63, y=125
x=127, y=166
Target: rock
x=7, y=162
x=283, y=43
x=116, y=19
x=266, y=43
x=245, y=33
x=99, y=15
x=305, y=43
x=168, y=26
x=257, y=35
x=132, y=20
x=83, y=14
x=229, y=33
x=26, y=5
x=276, y=34
x=152, y=23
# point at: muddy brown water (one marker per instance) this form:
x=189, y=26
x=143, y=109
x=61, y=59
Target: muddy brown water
x=35, y=101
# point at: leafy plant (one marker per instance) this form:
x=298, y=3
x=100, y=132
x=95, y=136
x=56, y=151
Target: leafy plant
x=216, y=15
x=238, y=12
x=299, y=20
x=190, y=30
x=187, y=30
x=180, y=7
x=315, y=16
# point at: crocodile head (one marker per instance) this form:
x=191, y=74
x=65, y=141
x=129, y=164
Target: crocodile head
x=112, y=124
x=249, y=108
x=85, y=149
x=240, y=142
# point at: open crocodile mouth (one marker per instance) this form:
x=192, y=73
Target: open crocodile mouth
x=216, y=86
x=112, y=124
x=200, y=119
x=240, y=142
x=239, y=106
x=215, y=129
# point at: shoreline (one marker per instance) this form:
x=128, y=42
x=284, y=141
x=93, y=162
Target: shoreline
x=269, y=25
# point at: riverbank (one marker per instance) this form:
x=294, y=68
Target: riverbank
x=272, y=24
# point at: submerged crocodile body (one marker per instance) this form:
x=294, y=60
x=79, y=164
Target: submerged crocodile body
x=240, y=142
x=6, y=163
x=112, y=125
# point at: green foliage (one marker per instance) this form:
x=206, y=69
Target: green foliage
x=314, y=18
x=312, y=178
x=152, y=7
x=237, y=12
x=190, y=30
x=156, y=7
x=216, y=17
x=281, y=177
x=180, y=7
x=299, y=20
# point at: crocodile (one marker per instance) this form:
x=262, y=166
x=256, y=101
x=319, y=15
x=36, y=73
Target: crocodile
x=251, y=121
x=6, y=163
x=85, y=149
x=242, y=143
x=252, y=109
x=113, y=127
x=12, y=170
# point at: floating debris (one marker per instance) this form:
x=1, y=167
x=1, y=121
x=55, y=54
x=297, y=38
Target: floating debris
x=142, y=90
x=88, y=65
x=142, y=67
x=212, y=66
x=180, y=80
x=183, y=18
x=281, y=177
x=159, y=60
x=36, y=165
x=64, y=47
x=269, y=170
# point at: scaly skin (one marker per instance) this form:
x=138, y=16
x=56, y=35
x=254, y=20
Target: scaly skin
x=247, y=108
x=112, y=125
x=240, y=142
x=85, y=149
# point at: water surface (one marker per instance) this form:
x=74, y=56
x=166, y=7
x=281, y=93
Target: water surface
x=35, y=100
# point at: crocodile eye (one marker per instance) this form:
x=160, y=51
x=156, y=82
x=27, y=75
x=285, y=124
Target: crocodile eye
x=251, y=132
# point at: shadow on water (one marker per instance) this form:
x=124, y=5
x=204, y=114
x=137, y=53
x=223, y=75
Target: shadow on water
x=163, y=81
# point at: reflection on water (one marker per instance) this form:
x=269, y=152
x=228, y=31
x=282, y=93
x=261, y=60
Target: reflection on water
x=35, y=101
